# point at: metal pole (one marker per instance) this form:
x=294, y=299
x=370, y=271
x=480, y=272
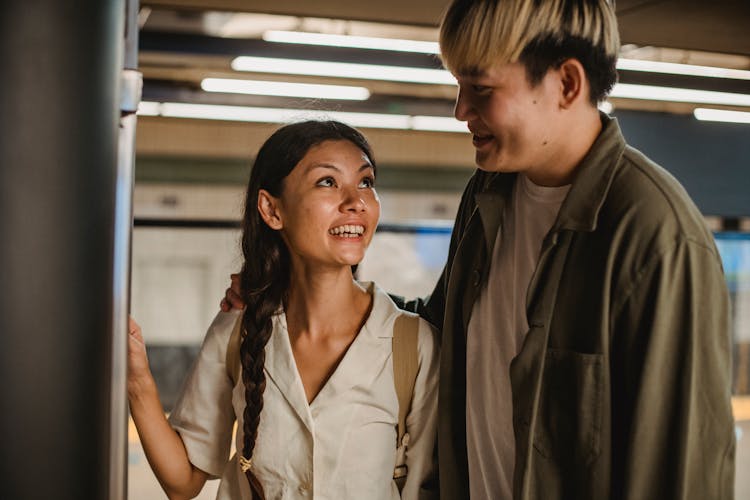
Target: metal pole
x=59, y=115
x=130, y=96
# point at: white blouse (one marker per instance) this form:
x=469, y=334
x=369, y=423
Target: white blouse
x=340, y=446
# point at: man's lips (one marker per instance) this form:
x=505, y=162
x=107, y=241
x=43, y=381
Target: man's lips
x=480, y=140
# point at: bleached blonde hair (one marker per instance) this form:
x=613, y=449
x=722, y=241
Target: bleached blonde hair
x=476, y=34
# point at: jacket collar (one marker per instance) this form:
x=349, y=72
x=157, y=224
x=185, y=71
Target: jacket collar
x=580, y=210
x=491, y=205
x=593, y=178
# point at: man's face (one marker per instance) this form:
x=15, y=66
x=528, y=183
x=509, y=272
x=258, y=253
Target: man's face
x=513, y=124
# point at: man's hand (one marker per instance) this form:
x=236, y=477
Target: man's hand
x=232, y=299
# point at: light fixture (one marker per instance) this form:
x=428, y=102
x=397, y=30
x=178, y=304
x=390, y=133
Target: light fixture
x=280, y=115
x=721, y=115
x=222, y=112
x=285, y=89
x=650, y=92
x=148, y=108
x=357, y=42
x=438, y=124
x=681, y=69
x=343, y=70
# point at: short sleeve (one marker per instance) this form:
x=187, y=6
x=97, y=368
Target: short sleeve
x=203, y=415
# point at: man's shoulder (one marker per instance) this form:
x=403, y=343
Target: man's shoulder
x=647, y=195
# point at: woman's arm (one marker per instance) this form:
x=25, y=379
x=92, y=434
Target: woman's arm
x=164, y=448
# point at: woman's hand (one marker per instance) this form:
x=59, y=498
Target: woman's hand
x=162, y=445
x=139, y=373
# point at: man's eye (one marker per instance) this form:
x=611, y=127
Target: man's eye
x=326, y=182
x=480, y=89
x=367, y=182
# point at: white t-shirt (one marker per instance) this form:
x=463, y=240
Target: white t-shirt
x=496, y=330
x=340, y=446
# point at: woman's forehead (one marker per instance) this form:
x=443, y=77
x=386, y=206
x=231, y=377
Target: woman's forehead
x=335, y=155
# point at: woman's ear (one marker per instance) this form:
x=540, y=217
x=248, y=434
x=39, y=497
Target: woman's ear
x=268, y=207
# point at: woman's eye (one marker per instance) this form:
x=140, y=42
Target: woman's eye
x=367, y=182
x=326, y=182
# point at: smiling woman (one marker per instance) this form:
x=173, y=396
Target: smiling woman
x=328, y=209
x=316, y=405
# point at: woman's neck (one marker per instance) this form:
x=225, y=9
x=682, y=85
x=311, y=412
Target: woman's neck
x=325, y=303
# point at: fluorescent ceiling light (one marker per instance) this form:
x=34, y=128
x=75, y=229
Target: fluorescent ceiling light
x=358, y=42
x=721, y=115
x=146, y=108
x=650, y=92
x=343, y=70
x=681, y=69
x=438, y=124
x=232, y=113
x=285, y=89
x=279, y=115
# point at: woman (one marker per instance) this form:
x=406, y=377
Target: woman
x=315, y=405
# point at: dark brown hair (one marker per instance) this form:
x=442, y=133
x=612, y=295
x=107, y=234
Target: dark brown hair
x=264, y=279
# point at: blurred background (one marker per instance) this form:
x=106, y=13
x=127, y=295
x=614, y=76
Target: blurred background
x=210, y=80
x=682, y=97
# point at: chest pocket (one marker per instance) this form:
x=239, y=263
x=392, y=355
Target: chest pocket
x=570, y=413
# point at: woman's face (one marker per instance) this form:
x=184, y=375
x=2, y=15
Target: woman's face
x=328, y=208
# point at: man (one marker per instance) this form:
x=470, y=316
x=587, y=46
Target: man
x=583, y=308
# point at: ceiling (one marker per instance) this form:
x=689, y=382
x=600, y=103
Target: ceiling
x=184, y=41
x=713, y=26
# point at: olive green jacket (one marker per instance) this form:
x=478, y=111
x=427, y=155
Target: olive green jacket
x=622, y=387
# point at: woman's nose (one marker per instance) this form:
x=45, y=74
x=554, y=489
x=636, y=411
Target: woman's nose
x=353, y=201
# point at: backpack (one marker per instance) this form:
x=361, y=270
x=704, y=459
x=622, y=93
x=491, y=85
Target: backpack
x=405, y=368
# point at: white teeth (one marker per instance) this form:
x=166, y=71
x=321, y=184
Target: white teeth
x=347, y=231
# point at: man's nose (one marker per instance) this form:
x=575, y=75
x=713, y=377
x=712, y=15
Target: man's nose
x=464, y=108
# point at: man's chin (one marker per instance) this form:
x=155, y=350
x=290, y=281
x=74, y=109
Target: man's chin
x=486, y=162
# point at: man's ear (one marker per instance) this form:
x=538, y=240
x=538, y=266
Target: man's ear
x=268, y=207
x=574, y=83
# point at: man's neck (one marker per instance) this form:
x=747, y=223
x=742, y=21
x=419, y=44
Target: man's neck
x=577, y=136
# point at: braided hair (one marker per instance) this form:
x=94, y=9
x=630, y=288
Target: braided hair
x=265, y=278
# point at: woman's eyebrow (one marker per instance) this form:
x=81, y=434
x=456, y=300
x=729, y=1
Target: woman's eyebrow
x=329, y=166
x=323, y=165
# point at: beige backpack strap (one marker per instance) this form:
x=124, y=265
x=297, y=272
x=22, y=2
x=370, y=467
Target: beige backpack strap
x=405, y=368
x=233, y=366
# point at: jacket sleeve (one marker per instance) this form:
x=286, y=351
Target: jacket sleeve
x=672, y=424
